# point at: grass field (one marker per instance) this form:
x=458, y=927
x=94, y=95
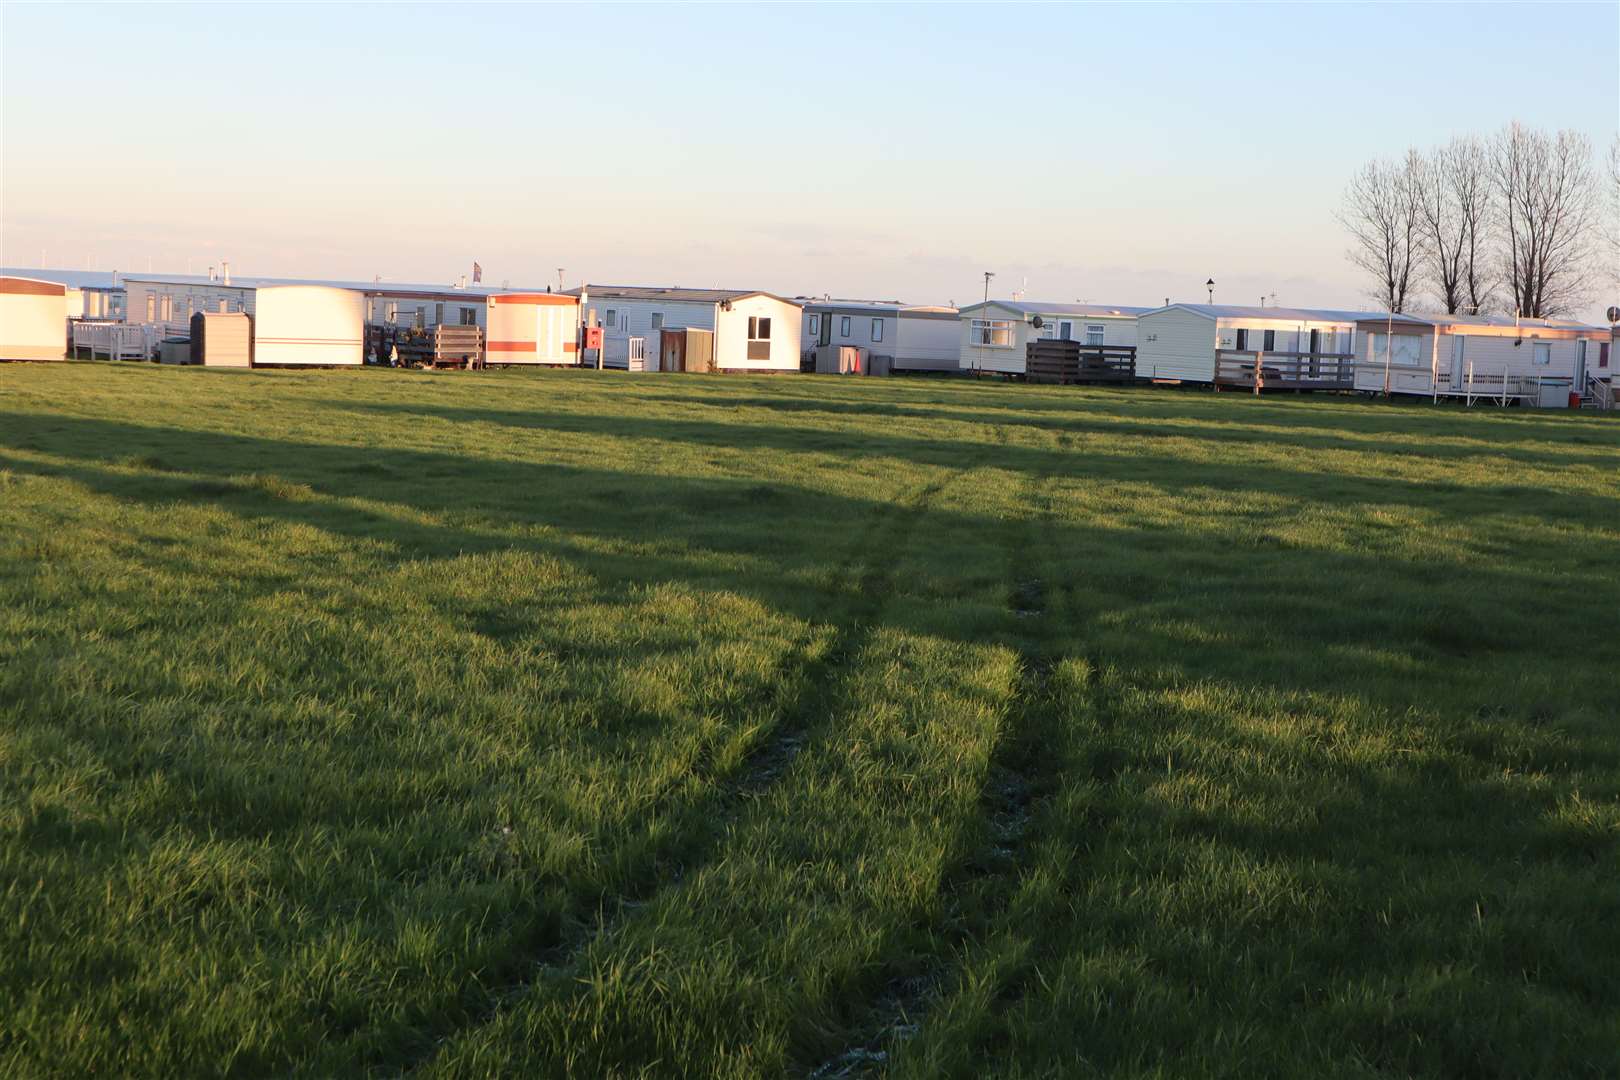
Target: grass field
x=524, y=724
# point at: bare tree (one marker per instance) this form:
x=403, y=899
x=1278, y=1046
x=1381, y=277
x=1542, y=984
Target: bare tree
x=1454, y=204
x=1382, y=209
x=1612, y=214
x=1548, y=199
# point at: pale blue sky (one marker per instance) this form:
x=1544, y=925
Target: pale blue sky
x=1111, y=153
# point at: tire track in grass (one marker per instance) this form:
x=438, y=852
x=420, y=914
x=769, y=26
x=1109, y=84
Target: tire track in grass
x=816, y=677
x=992, y=852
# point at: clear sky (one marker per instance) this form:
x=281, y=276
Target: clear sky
x=1108, y=153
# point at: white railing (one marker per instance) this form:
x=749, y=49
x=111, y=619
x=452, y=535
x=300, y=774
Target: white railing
x=1601, y=392
x=118, y=340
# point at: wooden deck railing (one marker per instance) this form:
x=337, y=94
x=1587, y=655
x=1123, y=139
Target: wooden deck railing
x=1259, y=370
x=120, y=341
x=1057, y=361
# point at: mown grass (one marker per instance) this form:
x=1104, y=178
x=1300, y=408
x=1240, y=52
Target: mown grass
x=524, y=724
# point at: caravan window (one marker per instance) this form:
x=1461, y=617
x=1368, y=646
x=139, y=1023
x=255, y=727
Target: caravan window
x=1542, y=355
x=438, y=312
x=815, y=325
x=1242, y=339
x=843, y=326
x=759, y=329
x=1095, y=332
x=469, y=316
x=877, y=329
x=612, y=318
x=657, y=321
x=1270, y=340
x=421, y=316
x=151, y=307
x=996, y=333
x=393, y=312
x=1408, y=350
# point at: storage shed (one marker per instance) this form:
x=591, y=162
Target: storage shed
x=753, y=331
x=1181, y=342
x=686, y=349
x=33, y=319
x=902, y=337
x=1490, y=357
x=532, y=328
x=995, y=336
x=221, y=340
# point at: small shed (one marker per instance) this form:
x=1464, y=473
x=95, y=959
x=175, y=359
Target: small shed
x=532, y=328
x=686, y=349
x=33, y=319
x=841, y=360
x=222, y=339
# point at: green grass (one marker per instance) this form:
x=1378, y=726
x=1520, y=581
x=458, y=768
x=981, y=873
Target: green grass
x=565, y=724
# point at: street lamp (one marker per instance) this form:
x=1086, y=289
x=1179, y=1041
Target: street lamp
x=1210, y=285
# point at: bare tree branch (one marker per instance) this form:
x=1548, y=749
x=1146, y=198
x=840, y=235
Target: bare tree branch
x=1382, y=209
x=1547, y=190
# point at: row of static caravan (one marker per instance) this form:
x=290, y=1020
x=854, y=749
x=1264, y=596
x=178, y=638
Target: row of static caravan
x=323, y=324
x=993, y=336
x=910, y=337
x=293, y=325
x=745, y=329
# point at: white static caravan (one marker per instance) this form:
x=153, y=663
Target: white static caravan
x=532, y=328
x=33, y=319
x=1178, y=343
x=913, y=337
x=93, y=294
x=753, y=331
x=308, y=326
x=1537, y=361
x=993, y=336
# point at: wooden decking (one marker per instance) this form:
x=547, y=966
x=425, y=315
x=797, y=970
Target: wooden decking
x=1070, y=362
x=443, y=345
x=1258, y=370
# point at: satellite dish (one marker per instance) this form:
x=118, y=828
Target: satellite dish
x=1614, y=314
x=1036, y=322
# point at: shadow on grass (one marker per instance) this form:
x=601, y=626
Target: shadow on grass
x=1276, y=615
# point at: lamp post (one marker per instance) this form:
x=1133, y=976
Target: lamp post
x=1210, y=285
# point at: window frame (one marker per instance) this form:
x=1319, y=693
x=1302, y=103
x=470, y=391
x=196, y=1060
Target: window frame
x=757, y=323
x=815, y=326
x=877, y=330
x=843, y=326
x=980, y=332
x=1100, y=329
